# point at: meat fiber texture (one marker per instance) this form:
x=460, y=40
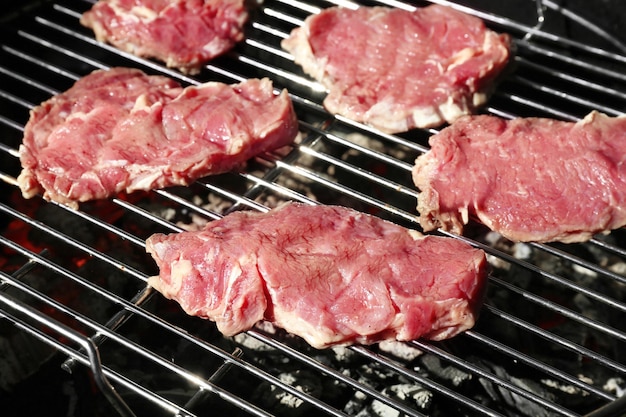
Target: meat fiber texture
x=329, y=274
x=396, y=70
x=182, y=33
x=529, y=179
x=122, y=130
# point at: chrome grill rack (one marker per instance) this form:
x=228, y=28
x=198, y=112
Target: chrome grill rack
x=551, y=339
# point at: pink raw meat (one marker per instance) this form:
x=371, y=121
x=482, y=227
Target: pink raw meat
x=530, y=179
x=396, y=70
x=182, y=33
x=329, y=274
x=122, y=130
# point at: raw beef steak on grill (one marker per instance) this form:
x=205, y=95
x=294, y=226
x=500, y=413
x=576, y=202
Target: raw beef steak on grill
x=122, y=130
x=329, y=274
x=530, y=179
x=182, y=33
x=396, y=70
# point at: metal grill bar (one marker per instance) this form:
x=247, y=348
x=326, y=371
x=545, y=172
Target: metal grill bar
x=582, y=82
x=557, y=76
x=513, y=26
x=562, y=310
x=553, y=338
x=581, y=262
x=538, y=364
x=132, y=346
x=92, y=360
x=509, y=386
x=337, y=375
x=569, y=97
x=413, y=375
x=67, y=239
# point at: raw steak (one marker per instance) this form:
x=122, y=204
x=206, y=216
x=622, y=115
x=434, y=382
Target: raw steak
x=396, y=70
x=529, y=179
x=182, y=33
x=122, y=130
x=329, y=274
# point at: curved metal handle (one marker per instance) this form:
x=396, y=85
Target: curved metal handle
x=93, y=355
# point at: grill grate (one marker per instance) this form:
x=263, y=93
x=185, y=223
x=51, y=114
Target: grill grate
x=551, y=339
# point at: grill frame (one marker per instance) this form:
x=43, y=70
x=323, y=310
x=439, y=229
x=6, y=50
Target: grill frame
x=82, y=338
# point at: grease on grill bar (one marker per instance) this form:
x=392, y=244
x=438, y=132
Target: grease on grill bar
x=551, y=339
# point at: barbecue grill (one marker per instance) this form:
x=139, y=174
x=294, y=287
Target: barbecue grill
x=81, y=334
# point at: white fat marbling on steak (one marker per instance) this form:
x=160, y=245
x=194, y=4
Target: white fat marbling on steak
x=329, y=274
x=396, y=70
x=184, y=34
x=120, y=130
x=529, y=179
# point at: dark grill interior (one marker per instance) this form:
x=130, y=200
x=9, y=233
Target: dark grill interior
x=551, y=339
